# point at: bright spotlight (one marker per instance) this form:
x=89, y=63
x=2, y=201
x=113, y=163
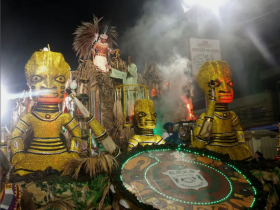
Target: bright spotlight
x=213, y=4
x=4, y=100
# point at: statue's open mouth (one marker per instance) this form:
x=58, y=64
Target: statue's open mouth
x=48, y=93
x=226, y=96
x=150, y=123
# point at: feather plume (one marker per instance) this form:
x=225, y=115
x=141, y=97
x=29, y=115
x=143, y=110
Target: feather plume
x=112, y=36
x=88, y=33
x=85, y=36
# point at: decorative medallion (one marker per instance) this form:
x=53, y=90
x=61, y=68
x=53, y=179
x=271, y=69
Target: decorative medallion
x=180, y=178
x=47, y=116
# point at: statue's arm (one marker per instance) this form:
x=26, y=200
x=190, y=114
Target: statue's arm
x=199, y=141
x=209, y=116
x=102, y=136
x=118, y=74
x=160, y=140
x=237, y=127
x=17, y=145
x=72, y=126
x=133, y=142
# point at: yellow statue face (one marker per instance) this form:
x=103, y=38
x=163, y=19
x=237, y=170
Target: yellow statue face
x=46, y=73
x=219, y=72
x=145, y=115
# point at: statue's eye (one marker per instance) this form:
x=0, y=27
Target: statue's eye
x=216, y=83
x=230, y=83
x=155, y=114
x=60, y=79
x=142, y=114
x=36, y=78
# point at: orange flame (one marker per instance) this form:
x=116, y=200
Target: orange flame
x=184, y=98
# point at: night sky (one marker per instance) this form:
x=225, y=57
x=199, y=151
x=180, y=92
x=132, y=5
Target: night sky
x=27, y=26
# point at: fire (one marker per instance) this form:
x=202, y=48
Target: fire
x=185, y=99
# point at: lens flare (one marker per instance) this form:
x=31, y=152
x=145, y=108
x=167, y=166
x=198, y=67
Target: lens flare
x=4, y=100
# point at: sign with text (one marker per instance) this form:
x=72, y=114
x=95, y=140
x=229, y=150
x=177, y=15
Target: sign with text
x=203, y=50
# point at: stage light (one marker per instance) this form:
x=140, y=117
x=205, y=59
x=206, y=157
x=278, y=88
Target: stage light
x=4, y=100
x=213, y=5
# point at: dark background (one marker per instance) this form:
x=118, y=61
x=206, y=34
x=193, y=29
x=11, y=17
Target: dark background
x=148, y=30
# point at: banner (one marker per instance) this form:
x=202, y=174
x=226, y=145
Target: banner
x=203, y=50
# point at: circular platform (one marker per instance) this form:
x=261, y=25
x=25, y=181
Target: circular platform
x=183, y=179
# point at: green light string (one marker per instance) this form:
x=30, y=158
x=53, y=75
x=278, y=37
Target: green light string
x=179, y=149
x=181, y=201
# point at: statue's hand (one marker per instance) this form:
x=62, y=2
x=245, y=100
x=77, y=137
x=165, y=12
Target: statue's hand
x=18, y=157
x=206, y=129
x=212, y=93
x=240, y=136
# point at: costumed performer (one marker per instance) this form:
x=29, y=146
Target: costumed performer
x=170, y=136
x=100, y=52
x=12, y=197
x=146, y=119
x=219, y=129
x=169, y=130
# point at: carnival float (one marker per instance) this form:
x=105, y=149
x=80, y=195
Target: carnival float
x=88, y=138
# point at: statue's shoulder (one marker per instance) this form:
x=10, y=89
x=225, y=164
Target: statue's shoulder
x=135, y=138
x=158, y=137
x=233, y=115
x=27, y=117
x=66, y=118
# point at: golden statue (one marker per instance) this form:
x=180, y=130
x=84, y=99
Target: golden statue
x=218, y=129
x=146, y=118
x=46, y=73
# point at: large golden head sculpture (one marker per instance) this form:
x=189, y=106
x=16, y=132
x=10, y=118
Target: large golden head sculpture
x=46, y=74
x=219, y=72
x=145, y=115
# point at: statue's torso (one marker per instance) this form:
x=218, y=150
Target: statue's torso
x=222, y=129
x=144, y=140
x=46, y=129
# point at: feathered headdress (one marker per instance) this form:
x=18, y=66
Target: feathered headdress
x=88, y=33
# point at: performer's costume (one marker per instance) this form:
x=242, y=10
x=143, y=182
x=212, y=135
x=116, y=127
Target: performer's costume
x=129, y=78
x=100, y=51
x=146, y=118
x=219, y=130
x=10, y=197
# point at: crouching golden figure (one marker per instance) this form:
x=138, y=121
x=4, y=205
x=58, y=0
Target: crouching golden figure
x=146, y=119
x=46, y=73
x=219, y=129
